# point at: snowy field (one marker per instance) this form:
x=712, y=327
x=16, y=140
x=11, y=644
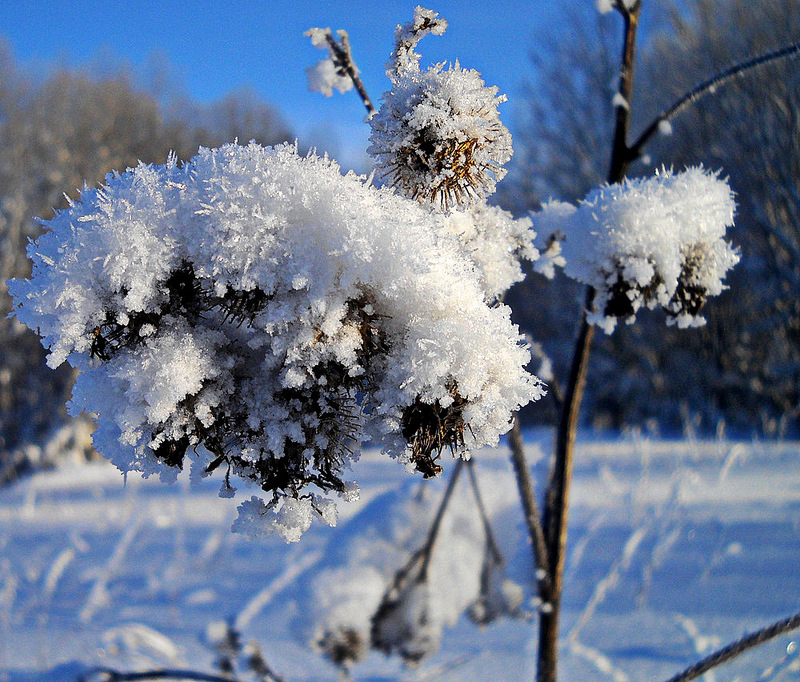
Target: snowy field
x=675, y=548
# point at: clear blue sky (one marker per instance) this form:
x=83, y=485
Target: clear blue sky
x=216, y=46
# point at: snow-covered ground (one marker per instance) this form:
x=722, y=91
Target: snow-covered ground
x=676, y=547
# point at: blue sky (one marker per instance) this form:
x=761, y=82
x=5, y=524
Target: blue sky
x=217, y=46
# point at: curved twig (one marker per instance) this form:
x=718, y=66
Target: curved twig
x=707, y=87
x=112, y=675
x=738, y=647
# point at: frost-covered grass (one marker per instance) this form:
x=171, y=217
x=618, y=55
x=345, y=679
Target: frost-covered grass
x=675, y=547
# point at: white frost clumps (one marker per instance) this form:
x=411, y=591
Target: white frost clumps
x=261, y=313
x=496, y=243
x=438, y=137
x=327, y=73
x=648, y=242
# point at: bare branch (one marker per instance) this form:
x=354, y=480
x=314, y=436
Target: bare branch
x=343, y=59
x=738, y=647
x=710, y=87
x=110, y=675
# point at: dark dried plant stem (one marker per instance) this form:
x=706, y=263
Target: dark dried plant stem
x=529, y=507
x=109, y=675
x=555, y=516
x=738, y=647
x=344, y=58
x=491, y=542
x=433, y=533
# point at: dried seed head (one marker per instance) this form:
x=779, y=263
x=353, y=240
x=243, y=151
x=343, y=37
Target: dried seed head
x=690, y=295
x=437, y=137
x=404, y=623
x=429, y=428
x=343, y=646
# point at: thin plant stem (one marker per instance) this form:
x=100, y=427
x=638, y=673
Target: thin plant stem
x=738, y=647
x=530, y=508
x=344, y=60
x=491, y=542
x=160, y=674
x=557, y=500
x=710, y=87
x=433, y=534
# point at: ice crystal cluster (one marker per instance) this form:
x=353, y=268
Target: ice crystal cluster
x=496, y=243
x=261, y=314
x=654, y=242
x=437, y=137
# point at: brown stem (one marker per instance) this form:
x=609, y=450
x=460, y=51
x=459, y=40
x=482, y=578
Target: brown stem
x=529, y=508
x=110, y=675
x=620, y=157
x=557, y=501
x=556, y=509
x=344, y=61
x=427, y=548
x=491, y=542
x=738, y=647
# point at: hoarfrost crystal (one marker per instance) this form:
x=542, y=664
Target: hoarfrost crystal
x=648, y=242
x=259, y=312
x=438, y=137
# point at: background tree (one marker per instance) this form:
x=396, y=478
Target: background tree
x=743, y=366
x=55, y=135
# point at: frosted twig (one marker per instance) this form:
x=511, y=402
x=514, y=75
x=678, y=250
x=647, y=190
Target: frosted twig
x=737, y=648
x=343, y=60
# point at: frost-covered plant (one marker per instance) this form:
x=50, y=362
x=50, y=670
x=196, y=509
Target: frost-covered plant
x=331, y=72
x=496, y=243
x=260, y=312
x=437, y=136
x=654, y=242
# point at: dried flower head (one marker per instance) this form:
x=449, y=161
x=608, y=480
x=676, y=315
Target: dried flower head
x=653, y=242
x=437, y=137
x=405, y=623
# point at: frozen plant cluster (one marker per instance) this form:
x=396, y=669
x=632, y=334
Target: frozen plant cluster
x=260, y=313
x=496, y=243
x=387, y=593
x=437, y=137
x=654, y=242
